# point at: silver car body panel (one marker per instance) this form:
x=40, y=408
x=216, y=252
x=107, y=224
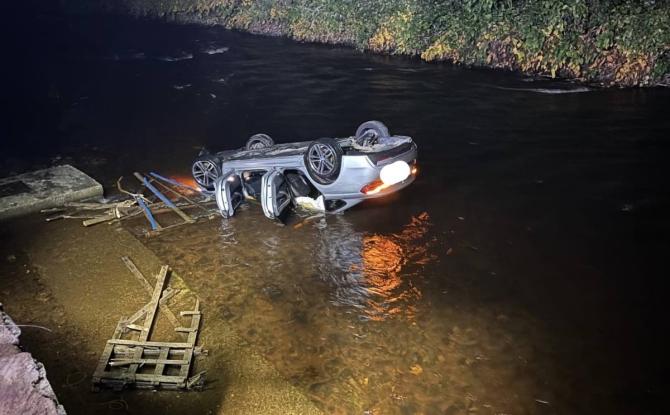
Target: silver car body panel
x=275, y=196
x=357, y=170
x=228, y=193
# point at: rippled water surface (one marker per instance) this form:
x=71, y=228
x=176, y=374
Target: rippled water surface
x=520, y=273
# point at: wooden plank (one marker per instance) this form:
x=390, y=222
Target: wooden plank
x=143, y=281
x=149, y=343
x=127, y=350
x=192, y=337
x=167, y=294
x=160, y=362
x=158, y=291
x=142, y=377
x=147, y=377
x=178, y=194
x=135, y=327
x=170, y=315
x=137, y=274
x=186, y=218
x=107, y=353
x=99, y=219
x=162, y=358
x=138, y=315
x=149, y=319
x=121, y=350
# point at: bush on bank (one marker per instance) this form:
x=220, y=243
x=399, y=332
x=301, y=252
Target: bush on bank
x=612, y=42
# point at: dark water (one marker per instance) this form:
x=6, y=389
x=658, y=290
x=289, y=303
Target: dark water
x=523, y=272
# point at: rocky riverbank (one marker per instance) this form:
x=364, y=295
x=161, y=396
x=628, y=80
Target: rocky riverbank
x=612, y=43
x=24, y=388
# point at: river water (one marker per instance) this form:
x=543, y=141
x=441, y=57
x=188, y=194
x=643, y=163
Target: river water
x=521, y=273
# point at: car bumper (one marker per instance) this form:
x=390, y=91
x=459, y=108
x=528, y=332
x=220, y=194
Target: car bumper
x=360, y=173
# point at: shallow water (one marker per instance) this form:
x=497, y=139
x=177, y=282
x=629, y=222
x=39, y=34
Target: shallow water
x=521, y=272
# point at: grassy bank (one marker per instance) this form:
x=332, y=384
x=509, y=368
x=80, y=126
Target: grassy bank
x=612, y=42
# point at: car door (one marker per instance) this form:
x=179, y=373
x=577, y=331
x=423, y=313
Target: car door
x=275, y=194
x=228, y=192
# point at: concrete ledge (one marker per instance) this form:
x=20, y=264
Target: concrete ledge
x=42, y=189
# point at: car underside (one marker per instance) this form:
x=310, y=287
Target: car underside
x=326, y=174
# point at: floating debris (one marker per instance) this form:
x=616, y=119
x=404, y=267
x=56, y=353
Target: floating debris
x=131, y=205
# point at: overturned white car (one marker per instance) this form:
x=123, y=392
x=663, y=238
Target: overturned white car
x=327, y=174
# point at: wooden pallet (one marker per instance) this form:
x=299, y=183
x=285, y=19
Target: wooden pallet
x=141, y=363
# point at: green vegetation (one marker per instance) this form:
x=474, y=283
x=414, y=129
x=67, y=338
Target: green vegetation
x=613, y=42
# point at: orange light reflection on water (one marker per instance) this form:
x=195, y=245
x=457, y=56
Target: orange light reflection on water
x=383, y=259
x=187, y=181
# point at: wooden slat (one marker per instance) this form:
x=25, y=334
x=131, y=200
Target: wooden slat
x=149, y=343
x=107, y=353
x=147, y=287
x=167, y=294
x=141, y=377
x=158, y=291
x=135, y=327
x=149, y=319
x=161, y=361
x=138, y=315
x=162, y=358
x=127, y=350
x=99, y=219
x=137, y=274
x=192, y=337
x=147, y=377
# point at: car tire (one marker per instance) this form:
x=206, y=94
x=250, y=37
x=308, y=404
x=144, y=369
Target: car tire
x=376, y=127
x=206, y=169
x=323, y=160
x=259, y=141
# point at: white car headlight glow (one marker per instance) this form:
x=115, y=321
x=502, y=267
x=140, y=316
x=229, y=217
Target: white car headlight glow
x=394, y=172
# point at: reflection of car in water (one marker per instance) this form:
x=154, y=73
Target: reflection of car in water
x=334, y=174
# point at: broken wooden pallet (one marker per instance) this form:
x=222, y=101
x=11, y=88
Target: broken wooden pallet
x=141, y=363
